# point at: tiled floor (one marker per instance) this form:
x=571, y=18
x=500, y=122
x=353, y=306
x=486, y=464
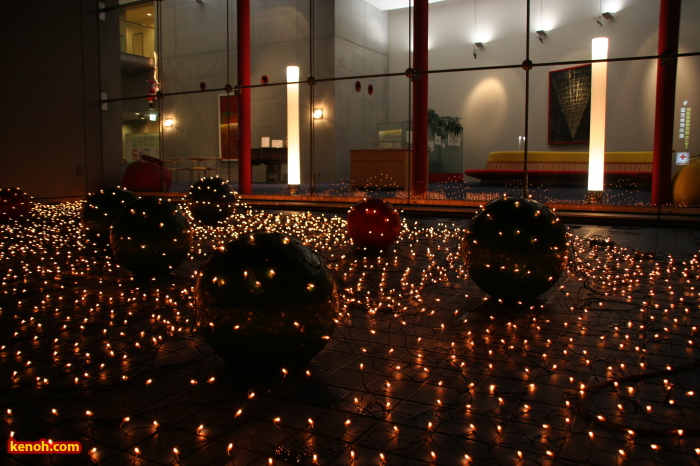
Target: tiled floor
x=423, y=367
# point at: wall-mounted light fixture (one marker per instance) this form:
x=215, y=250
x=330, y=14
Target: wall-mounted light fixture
x=541, y=35
x=168, y=122
x=199, y=1
x=477, y=46
x=318, y=114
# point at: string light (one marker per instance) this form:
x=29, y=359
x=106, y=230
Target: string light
x=423, y=342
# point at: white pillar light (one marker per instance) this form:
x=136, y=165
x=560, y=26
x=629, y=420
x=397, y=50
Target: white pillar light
x=293, y=157
x=596, y=145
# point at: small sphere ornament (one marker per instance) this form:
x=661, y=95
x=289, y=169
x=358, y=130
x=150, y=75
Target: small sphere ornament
x=266, y=302
x=100, y=209
x=150, y=237
x=515, y=248
x=374, y=224
x=212, y=200
x=15, y=205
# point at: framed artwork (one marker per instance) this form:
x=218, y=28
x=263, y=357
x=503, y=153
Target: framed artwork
x=570, y=105
x=228, y=127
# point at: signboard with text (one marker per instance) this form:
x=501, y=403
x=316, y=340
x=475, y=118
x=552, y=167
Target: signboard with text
x=684, y=123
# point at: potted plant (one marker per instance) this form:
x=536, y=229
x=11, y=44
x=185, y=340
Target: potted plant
x=444, y=125
x=435, y=121
x=452, y=125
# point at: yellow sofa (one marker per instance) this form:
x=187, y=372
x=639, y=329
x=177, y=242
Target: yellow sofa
x=630, y=169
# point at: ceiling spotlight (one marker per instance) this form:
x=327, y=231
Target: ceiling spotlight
x=477, y=46
x=541, y=35
x=606, y=16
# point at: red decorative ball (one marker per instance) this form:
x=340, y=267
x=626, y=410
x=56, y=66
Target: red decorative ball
x=374, y=224
x=148, y=174
x=14, y=205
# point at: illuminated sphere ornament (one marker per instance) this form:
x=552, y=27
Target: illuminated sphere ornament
x=374, y=224
x=515, y=248
x=212, y=200
x=100, y=209
x=150, y=237
x=15, y=205
x=266, y=302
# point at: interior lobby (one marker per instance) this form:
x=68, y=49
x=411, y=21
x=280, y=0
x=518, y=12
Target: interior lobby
x=165, y=330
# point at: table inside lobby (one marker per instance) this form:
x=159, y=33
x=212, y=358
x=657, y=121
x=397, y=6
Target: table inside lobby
x=204, y=166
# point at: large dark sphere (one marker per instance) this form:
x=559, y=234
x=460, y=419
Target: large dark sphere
x=15, y=205
x=212, y=200
x=100, y=209
x=266, y=302
x=515, y=248
x=374, y=224
x=150, y=237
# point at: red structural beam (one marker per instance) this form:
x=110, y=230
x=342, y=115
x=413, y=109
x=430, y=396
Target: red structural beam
x=245, y=171
x=669, y=25
x=420, y=98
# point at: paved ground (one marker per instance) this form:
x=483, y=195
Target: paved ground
x=423, y=367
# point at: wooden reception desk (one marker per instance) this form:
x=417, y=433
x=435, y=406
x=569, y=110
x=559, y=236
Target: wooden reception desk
x=380, y=168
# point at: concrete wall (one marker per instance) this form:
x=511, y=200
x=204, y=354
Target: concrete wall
x=492, y=103
x=58, y=141
x=51, y=134
x=361, y=49
x=350, y=38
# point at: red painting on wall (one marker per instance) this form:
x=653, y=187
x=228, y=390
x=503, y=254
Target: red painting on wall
x=228, y=127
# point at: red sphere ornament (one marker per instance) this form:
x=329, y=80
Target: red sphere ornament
x=14, y=205
x=148, y=174
x=374, y=224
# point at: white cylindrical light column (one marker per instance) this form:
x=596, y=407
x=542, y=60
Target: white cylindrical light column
x=293, y=156
x=596, y=145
